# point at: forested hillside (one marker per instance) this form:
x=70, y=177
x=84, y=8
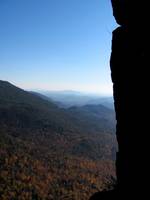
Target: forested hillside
x=52, y=153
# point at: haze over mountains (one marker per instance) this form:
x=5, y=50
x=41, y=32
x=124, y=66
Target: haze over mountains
x=62, y=151
x=68, y=98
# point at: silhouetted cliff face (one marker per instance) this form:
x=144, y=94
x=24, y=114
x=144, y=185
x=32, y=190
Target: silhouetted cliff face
x=133, y=13
x=129, y=66
x=130, y=74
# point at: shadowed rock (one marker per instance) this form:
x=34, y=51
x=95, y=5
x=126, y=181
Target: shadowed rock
x=131, y=12
x=105, y=195
x=129, y=70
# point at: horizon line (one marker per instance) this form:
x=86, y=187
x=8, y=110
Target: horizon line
x=79, y=91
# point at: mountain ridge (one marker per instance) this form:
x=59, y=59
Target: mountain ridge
x=38, y=139
x=68, y=99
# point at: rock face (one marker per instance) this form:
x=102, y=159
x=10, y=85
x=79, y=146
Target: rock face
x=129, y=67
x=130, y=74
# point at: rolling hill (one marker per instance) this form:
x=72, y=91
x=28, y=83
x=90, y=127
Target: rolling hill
x=47, y=152
x=68, y=99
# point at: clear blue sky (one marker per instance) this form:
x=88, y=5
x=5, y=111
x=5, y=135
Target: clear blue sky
x=56, y=44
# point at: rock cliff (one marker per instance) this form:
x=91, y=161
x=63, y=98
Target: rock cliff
x=129, y=64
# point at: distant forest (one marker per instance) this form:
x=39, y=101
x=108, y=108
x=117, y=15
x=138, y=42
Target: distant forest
x=51, y=151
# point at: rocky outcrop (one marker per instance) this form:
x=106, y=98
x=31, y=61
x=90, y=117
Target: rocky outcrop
x=129, y=64
x=129, y=70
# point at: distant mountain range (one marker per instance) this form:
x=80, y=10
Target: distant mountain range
x=74, y=98
x=58, y=150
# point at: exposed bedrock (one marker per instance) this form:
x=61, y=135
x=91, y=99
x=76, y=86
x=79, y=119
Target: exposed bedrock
x=129, y=67
x=129, y=64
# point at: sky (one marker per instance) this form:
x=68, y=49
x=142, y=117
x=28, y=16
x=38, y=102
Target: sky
x=56, y=44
